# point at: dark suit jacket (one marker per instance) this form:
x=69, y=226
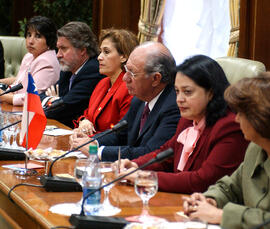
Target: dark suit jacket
x=159, y=127
x=76, y=99
x=218, y=152
x=2, y=62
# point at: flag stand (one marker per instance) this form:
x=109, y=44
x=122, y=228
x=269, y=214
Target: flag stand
x=26, y=171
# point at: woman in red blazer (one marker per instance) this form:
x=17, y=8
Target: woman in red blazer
x=110, y=100
x=208, y=143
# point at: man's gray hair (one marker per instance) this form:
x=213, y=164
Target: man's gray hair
x=80, y=36
x=162, y=62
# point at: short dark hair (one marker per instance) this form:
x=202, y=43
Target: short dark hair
x=45, y=26
x=251, y=97
x=80, y=36
x=208, y=74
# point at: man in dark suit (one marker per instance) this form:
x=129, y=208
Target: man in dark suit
x=150, y=74
x=77, y=55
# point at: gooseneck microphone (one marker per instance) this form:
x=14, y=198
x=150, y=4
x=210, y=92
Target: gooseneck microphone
x=53, y=105
x=57, y=184
x=13, y=89
x=12, y=124
x=81, y=221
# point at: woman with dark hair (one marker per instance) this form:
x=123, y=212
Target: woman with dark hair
x=208, y=144
x=110, y=100
x=243, y=199
x=40, y=61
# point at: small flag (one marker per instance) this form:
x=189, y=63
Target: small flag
x=37, y=119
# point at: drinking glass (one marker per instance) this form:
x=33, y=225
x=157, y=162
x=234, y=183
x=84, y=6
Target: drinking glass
x=79, y=170
x=108, y=171
x=146, y=186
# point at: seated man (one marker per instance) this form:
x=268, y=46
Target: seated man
x=77, y=54
x=150, y=75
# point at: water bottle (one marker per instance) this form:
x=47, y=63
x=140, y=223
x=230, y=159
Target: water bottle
x=92, y=180
x=93, y=149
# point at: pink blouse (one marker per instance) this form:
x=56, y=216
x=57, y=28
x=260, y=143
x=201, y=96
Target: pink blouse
x=189, y=138
x=45, y=70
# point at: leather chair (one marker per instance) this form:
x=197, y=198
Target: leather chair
x=237, y=68
x=14, y=51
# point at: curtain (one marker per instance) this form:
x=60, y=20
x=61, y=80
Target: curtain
x=193, y=27
x=150, y=19
x=234, y=34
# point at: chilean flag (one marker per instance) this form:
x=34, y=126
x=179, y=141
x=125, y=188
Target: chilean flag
x=37, y=119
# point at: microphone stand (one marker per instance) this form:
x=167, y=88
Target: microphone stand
x=51, y=183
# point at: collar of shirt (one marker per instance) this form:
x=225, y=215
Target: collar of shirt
x=152, y=103
x=80, y=68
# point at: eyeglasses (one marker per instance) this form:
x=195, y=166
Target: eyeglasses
x=131, y=73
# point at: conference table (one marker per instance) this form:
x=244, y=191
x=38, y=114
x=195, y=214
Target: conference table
x=30, y=205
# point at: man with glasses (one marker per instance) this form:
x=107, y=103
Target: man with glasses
x=153, y=114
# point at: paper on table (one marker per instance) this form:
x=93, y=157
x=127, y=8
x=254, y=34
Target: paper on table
x=66, y=209
x=58, y=132
x=30, y=165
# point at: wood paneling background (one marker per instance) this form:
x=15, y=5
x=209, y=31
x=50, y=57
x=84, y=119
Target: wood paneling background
x=122, y=14
x=254, y=40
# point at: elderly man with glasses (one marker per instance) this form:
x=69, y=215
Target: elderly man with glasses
x=153, y=114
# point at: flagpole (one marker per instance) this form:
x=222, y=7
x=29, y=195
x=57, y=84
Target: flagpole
x=26, y=143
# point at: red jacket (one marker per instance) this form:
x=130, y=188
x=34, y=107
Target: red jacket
x=219, y=151
x=107, y=104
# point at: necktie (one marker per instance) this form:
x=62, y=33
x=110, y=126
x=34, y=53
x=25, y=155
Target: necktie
x=71, y=80
x=144, y=117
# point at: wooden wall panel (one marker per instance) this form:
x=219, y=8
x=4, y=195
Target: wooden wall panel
x=254, y=40
x=122, y=14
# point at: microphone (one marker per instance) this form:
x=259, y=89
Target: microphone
x=81, y=221
x=57, y=184
x=13, y=89
x=54, y=104
x=12, y=124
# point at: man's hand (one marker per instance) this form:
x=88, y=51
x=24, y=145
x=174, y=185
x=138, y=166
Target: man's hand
x=53, y=91
x=77, y=139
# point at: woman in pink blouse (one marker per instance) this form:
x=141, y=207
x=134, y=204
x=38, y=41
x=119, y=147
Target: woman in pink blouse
x=40, y=61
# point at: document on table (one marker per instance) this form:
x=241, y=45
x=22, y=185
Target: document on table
x=57, y=131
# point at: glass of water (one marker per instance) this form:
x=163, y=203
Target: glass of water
x=79, y=169
x=146, y=186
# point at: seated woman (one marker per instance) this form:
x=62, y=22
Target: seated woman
x=110, y=100
x=243, y=199
x=208, y=144
x=40, y=61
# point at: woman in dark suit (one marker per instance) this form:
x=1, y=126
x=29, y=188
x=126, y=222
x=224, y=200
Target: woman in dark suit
x=110, y=100
x=208, y=144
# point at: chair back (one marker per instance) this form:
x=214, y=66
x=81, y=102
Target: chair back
x=6, y=222
x=14, y=51
x=237, y=68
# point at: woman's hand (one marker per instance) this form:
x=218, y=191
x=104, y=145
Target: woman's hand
x=87, y=127
x=197, y=206
x=127, y=166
